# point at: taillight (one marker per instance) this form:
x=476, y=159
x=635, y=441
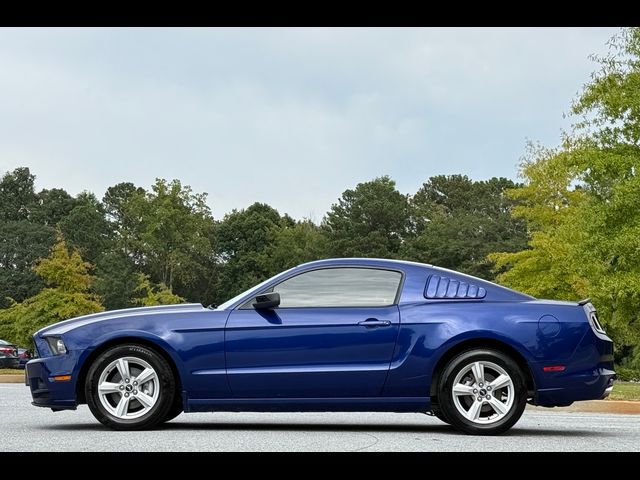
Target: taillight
x=590, y=311
x=595, y=323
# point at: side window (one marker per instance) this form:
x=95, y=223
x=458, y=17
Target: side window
x=340, y=287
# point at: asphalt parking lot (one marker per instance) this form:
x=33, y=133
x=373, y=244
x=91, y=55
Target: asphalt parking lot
x=31, y=428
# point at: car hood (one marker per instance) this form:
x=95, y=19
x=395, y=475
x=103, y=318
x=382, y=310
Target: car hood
x=67, y=325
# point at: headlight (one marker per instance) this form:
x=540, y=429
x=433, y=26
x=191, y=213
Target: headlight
x=57, y=345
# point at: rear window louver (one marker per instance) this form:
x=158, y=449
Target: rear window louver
x=444, y=287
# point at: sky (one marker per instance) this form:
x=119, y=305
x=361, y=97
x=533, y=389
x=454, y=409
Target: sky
x=287, y=116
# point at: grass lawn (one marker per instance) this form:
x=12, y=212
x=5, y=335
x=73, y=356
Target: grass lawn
x=625, y=391
x=11, y=371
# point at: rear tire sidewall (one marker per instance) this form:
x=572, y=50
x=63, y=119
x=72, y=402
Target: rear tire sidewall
x=166, y=397
x=445, y=394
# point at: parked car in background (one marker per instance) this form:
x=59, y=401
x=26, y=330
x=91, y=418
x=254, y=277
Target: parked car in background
x=24, y=356
x=8, y=361
x=333, y=335
x=8, y=348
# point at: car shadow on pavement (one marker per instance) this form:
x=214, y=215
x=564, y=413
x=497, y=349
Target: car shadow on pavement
x=332, y=427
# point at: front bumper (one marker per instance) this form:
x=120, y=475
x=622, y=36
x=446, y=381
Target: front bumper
x=47, y=392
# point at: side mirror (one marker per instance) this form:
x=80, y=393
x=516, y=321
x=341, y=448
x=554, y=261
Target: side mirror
x=267, y=301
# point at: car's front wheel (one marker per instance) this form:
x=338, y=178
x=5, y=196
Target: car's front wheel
x=482, y=392
x=130, y=387
x=175, y=410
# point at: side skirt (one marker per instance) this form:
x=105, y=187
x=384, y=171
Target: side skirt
x=360, y=404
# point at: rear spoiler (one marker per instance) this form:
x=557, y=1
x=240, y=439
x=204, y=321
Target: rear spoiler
x=584, y=302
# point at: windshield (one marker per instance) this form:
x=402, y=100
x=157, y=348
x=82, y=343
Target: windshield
x=255, y=289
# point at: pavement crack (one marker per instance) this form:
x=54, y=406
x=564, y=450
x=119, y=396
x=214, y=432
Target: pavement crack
x=375, y=441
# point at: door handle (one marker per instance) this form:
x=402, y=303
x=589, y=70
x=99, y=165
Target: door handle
x=374, y=323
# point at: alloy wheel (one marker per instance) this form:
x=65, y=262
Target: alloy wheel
x=128, y=388
x=483, y=392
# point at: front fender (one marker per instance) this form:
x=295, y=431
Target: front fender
x=124, y=336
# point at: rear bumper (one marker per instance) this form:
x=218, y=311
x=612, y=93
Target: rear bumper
x=45, y=391
x=593, y=386
x=589, y=374
x=607, y=392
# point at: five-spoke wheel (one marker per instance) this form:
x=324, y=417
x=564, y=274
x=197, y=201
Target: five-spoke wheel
x=131, y=387
x=128, y=387
x=481, y=392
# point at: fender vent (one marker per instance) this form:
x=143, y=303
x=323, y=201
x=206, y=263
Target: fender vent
x=444, y=287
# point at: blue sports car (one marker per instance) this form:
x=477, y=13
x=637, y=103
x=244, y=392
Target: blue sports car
x=332, y=335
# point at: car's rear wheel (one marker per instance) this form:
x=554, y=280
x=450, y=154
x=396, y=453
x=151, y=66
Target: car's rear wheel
x=130, y=387
x=437, y=412
x=482, y=392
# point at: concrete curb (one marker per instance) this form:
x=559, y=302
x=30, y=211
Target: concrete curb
x=595, y=406
x=18, y=378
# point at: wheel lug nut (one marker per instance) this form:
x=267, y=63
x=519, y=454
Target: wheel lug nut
x=126, y=394
x=135, y=392
x=126, y=380
x=135, y=384
x=121, y=387
x=488, y=397
x=475, y=390
x=479, y=399
x=481, y=385
x=489, y=388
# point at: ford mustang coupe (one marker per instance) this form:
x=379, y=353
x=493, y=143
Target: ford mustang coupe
x=332, y=335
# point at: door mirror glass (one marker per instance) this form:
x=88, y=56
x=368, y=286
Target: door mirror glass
x=266, y=301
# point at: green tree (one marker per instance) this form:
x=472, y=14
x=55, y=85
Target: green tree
x=22, y=243
x=165, y=233
x=126, y=210
x=584, y=201
x=65, y=270
x=150, y=295
x=369, y=221
x=240, y=238
x=291, y=245
x=116, y=280
x=551, y=206
x=458, y=221
x=17, y=195
x=67, y=295
x=86, y=228
x=177, y=231
x=27, y=232
x=51, y=206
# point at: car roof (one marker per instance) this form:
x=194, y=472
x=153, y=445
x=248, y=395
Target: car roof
x=370, y=262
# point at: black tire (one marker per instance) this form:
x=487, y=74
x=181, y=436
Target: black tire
x=166, y=396
x=445, y=395
x=439, y=414
x=175, y=410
